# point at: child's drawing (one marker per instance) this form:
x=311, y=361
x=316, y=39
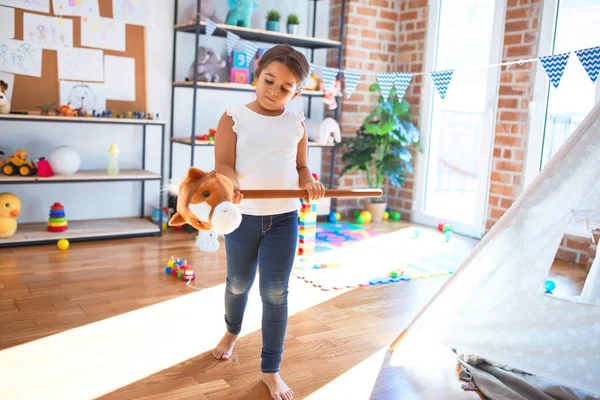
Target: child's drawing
x=78, y=64
x=103, y=33
x=138, y=12
x=7, y=22
x=48, y=32
x=33, y=5
x=76, y=7
x=90, y=96
x=21, y=58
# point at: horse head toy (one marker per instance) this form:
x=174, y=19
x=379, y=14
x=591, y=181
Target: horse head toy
x=204, y=202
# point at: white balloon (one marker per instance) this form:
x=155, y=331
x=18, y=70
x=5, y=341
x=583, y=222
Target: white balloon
x=64, y=160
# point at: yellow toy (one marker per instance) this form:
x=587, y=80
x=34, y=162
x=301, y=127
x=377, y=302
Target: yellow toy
x=10, y=209
x=18, y=164
x=63, y=244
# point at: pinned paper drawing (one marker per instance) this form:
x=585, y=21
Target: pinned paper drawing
x=89, y=96
x=136, y=12
x=19, y=57
x=33, y=5
x=76, y=7
x=103, y=33
x=7, y=22
x=48, y=32
x=81, y=64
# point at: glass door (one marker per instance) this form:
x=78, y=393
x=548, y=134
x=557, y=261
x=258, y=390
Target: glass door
x=457, y=131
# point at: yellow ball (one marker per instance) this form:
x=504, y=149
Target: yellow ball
x=63, y=244
x=367, y=216
x=338, y=216
x=386, y=215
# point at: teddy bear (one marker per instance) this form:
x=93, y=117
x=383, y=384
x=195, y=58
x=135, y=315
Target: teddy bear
x=4, y=103
x=240, y=12
x=209, y=66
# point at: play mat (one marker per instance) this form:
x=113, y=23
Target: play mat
x=349, y=255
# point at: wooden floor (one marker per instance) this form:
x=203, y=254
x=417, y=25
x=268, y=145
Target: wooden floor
x=336, y=344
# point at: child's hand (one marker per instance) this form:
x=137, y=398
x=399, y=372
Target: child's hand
x=237, y=197
x=315, y=190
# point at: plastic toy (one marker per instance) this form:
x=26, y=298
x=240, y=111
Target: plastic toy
x=10, y=209
x=329, y=97
x=180, y=269
x=4, y=103
x=448, y=235
x=67, y=111
x=18, y=164
x=2, y=159
x=64, y=160
x=44, y=168
x=240, y=12
x=57, y=222
x=549, y=286
x=63, y=244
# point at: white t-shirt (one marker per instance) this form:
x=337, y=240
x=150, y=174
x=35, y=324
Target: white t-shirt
x=266, y=157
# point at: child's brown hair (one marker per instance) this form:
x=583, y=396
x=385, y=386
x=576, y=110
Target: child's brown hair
x=288, y=56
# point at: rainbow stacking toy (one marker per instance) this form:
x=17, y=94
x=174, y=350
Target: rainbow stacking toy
x=180, y=269
x=307, y=233
x=57, y=221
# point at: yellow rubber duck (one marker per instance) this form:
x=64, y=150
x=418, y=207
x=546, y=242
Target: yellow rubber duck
x=10, y=209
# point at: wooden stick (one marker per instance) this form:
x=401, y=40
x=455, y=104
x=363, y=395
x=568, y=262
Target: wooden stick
x=303, y=193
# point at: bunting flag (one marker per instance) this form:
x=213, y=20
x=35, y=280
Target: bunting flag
x=232, y=39
x=210, y=27
x=401, y=81
x=312, y=68
x=351, y=78
x=329, y=75
x=251, y=50
x=555, y=66
x=441, y=80
x=590, y=59
x=386, y=81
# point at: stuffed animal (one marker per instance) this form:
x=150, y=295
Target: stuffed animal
x=4, y=103
x=207, y=241
x=10, y=209
x=326, y=131
x=209, y=66
x=207, y=11
x=240, y=12
x=204, y=202
x=330, y=96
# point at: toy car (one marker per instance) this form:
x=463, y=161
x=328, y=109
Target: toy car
x=18, y=164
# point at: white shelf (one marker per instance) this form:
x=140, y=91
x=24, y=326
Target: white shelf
x=36, y=233
x=84, y=176
x=92, y=120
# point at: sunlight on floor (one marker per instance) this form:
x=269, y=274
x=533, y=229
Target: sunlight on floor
x=98, y=358
x=356, y=383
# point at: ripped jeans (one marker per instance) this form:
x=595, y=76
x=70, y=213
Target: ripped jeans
x=269, y=243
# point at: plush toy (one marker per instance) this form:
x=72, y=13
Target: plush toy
x=326, y=131
x=209, y=66
x=207, y=241
x=330, y=97
x=4, y=103
x=207, y=11
x=240, y=12
x=10, y=209
x=204, y=202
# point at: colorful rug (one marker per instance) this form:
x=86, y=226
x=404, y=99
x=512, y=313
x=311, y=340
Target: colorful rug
x=350, y=256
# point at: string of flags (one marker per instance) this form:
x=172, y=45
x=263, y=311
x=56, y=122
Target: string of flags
x=554, y=65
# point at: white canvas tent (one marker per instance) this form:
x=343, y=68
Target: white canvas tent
x=494, y=305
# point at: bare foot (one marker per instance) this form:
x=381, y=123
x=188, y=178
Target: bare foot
x=279, y=390
x=225, y=347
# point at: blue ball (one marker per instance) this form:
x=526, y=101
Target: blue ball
x=332, y=218
x=549, y=286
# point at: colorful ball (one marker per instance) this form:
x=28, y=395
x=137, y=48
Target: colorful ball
x=168, y=270
x=360, y=220
x=396, y=216
x=338, y=216
x=63, y=244
x=441, y=226
x=447, y=228
x=332, y=217
x=549, y=286
x=356, y=213
x=367, y=216
x=170, y=263
x=386, y=216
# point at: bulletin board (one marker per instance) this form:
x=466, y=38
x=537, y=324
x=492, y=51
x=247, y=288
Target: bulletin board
x=30, y=93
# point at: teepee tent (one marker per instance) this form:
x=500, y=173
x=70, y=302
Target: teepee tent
x=494, y=305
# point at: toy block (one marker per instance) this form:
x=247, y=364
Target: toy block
x=239, y=75
x=240, y=60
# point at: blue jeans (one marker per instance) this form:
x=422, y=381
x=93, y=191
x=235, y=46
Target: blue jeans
x=269, y=243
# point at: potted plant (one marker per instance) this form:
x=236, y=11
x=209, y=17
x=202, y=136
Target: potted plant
x=292, y=24
x=382, y=146
x=273, y=18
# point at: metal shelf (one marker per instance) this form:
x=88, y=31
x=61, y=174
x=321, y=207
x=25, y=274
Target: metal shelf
x=235, y=87
x=264, y=36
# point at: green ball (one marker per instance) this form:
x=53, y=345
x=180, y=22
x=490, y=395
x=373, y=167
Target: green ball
x=360, y=219
x=447, y=228
x=396, y=215
x=356, y=213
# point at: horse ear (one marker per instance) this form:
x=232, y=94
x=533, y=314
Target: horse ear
x=176, y=220
x=194, y=174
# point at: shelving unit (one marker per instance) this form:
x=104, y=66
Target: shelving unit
x=92, y=229
x=198, y=28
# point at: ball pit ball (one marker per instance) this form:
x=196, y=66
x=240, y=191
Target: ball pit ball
x=549, y=286
x=63, y=244
x=396, y=215
x=356, y=213
x=386, y=216
x=338, y=216
x=360, y=220
x=366, y=216
x=446, y=228
x=332, y=218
